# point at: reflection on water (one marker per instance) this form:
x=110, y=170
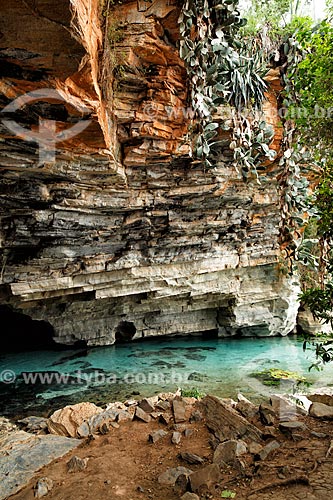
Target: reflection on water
x=219, y=366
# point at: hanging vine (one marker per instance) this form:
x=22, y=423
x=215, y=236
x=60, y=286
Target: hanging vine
x=297, y=161
x=222, y=71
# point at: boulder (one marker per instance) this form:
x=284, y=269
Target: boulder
x=125, y=415
x=156, y=435
x=163, y=405
x=196, y=416
x=229, y=452
x=269, y=448
x=6, y=426
x=245, y=407
x=43, y=486
x=142, y=415
x=310, y=325
x=176, y=437
x=179, y=410
x=286, y=409
x=31, y=453
x=205, y=478
x=267, y=414
x=36, y=425
x=165, y=418
x=254, y=448
x=326, y=399
x=147, y=404
x=188, y=432
x=290, y=427
x=170, y=476
x=77, y=464
x=65, y=422
x=189, y=496
x=99, y=423
x=191, y=458
x=320, y=410
x=226, y=423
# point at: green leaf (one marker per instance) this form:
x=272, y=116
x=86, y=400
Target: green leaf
x=228, y=494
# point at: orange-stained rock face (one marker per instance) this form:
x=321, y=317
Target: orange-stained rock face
x=124, y=226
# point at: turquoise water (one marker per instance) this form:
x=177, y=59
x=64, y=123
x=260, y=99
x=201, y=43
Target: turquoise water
x=219, y=366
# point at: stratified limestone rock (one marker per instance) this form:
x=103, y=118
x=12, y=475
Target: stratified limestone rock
x=309, y=325
x=226, y=423
x=23, y=454
x=124, y=232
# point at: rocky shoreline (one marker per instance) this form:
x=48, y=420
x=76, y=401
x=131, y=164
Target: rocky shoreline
x=197, y=448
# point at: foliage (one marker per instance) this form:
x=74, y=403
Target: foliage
x=276, y=15
x=273, y=376
x=222, y=71
x=228, y=494
x=193, y=392
x=313, y=82
x=322, y=345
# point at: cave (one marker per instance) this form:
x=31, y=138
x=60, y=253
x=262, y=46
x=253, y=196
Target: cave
x=125, y=331
x=19, y=332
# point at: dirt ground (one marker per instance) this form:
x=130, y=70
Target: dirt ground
x=124, y=465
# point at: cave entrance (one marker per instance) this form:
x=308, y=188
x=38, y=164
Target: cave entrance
x=19, y=332
x=125, y=331
x=210, y=334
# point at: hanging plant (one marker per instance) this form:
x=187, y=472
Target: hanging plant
x=222, y=71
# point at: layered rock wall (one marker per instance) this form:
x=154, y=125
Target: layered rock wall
x=124, y=235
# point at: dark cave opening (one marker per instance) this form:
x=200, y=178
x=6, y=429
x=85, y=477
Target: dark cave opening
x=210, y=334
x=125, y=331
x=19, y=332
